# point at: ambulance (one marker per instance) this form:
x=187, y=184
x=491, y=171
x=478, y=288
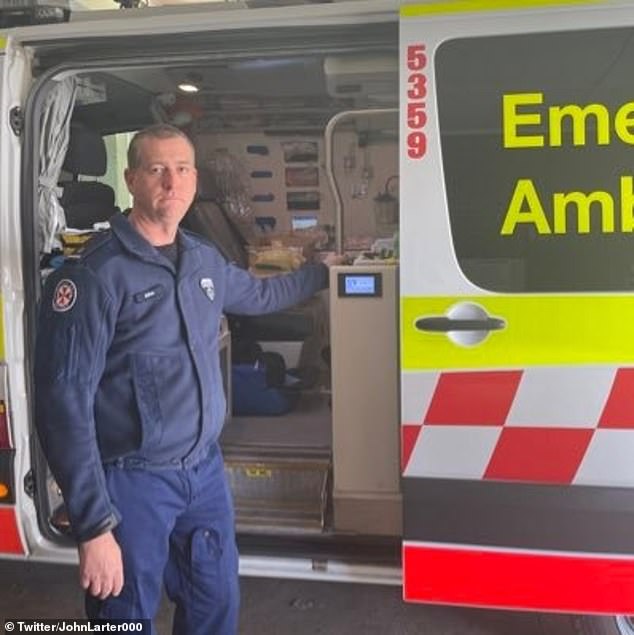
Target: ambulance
x=456, y=412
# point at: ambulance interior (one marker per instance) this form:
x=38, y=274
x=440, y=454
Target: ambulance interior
x=311, y=436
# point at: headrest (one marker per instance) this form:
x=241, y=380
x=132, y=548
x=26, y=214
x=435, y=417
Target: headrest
x=86, y=152
x=86, y=203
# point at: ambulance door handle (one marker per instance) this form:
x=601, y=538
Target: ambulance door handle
x=445, y=324
x=465, y=323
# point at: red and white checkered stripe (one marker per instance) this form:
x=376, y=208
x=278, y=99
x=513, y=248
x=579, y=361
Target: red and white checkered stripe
x=546, y=425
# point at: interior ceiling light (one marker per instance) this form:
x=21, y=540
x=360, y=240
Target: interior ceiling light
x=188, y=87
x=191, y=83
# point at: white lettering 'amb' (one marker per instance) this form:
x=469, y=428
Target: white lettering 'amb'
x=569, y=212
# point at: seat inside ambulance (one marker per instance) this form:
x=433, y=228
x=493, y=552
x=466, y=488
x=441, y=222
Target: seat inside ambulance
x=302, y=327
x=86, y=202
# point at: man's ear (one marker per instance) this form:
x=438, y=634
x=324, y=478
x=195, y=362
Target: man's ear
x=128, y=175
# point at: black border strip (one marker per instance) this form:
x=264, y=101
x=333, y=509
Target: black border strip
x=519, y=515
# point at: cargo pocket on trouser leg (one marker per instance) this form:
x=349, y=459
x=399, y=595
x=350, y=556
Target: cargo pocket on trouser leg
x=212, y=597
x=124, y=606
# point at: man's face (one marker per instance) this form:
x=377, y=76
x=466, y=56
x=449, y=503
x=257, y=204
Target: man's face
x=164, y=183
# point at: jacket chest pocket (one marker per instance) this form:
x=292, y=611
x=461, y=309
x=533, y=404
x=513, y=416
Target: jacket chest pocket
x=154, y=377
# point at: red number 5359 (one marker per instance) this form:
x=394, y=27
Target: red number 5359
x=416, y=93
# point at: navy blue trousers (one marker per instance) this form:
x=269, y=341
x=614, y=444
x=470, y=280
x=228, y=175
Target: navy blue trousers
x=177, y=528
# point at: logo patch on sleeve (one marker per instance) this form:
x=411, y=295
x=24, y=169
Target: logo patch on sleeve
x=64, y=296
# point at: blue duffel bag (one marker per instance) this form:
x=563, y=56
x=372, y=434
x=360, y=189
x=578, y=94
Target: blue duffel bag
x=253, y=394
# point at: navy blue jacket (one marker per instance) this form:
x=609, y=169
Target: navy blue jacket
x=127, y=360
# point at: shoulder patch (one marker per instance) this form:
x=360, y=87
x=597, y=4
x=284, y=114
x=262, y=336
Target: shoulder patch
x=64, y=296
x=207, y=285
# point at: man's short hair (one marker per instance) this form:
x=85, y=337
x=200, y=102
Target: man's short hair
x=156, y=131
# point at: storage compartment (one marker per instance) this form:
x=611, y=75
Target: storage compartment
x=366, y=444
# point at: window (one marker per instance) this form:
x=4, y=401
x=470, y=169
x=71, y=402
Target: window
x=116, y=151
x=537, y=136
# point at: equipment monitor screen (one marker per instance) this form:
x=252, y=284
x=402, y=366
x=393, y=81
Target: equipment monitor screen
x=359, y=285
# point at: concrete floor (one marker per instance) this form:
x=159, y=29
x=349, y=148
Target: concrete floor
x=276, y=607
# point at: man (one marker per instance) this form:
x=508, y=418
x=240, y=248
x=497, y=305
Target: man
x=130, y=403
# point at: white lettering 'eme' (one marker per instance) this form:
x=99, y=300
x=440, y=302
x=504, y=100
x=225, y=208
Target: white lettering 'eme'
x=524, y=117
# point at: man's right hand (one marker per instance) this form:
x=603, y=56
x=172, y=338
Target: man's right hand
x=331, y=259
x=101, y=566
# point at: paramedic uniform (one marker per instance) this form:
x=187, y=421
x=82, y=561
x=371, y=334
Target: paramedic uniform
x=129, y=407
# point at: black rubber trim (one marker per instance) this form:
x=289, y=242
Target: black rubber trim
x=519, y=515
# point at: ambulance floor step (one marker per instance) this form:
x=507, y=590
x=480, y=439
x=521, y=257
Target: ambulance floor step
x=276, y=492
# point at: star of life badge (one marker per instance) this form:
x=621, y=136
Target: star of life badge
x=64, y=296
x=207, y=285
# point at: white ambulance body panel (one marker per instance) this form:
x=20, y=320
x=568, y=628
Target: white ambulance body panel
x=516, y=300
